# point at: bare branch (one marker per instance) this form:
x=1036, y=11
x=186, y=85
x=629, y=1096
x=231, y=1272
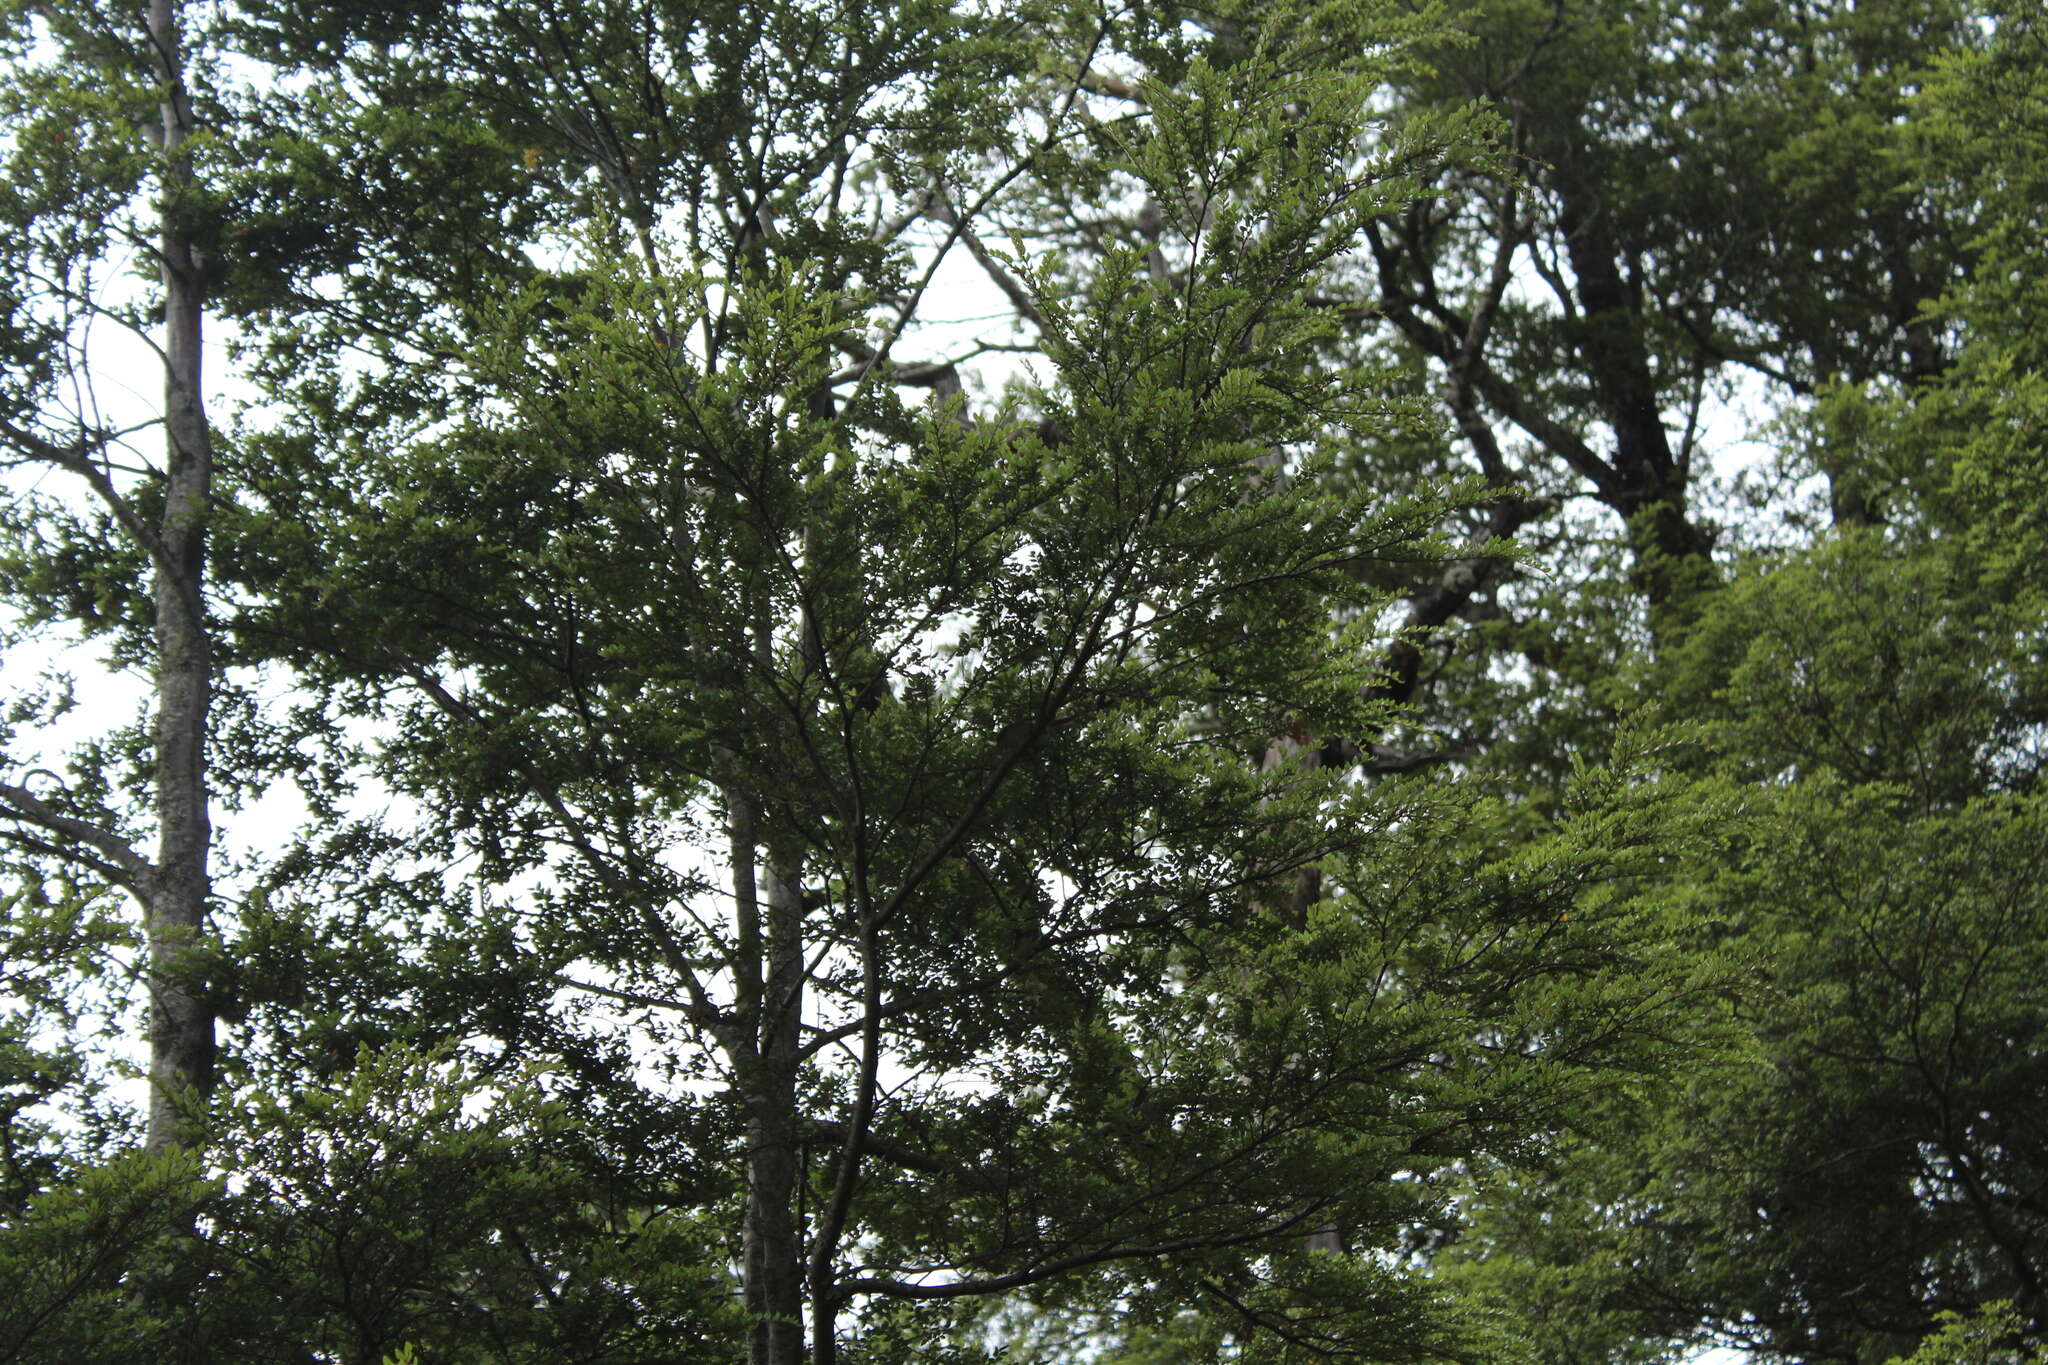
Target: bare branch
x=118, y=860
x=910, y=1289
x=1097, y=84
x=1013, y=289
x=78, y=459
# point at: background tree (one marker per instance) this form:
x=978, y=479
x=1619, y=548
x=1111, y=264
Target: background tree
x=1877, y=1165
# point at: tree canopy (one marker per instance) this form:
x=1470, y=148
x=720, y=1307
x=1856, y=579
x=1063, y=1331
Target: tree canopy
x=807, y=683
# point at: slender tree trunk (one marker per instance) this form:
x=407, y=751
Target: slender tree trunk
x=828, y=1226
x=773, y=1236
x=181, y=1032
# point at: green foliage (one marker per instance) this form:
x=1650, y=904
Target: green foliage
x=997, y=682
x=417, y=1203
x=1982, y=1338
x=1876, y=662
x=1868, y=1165
x=70, y=1256
x=411, y=1203
x=1875, y=694
x=777, y=848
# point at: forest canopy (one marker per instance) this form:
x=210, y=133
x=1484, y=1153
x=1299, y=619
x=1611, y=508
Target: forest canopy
x=799, y=682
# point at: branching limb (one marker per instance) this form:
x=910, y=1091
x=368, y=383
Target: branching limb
x=997, y=1284
x=702, y=1011
x=941, y=208
x=79, y=459
x=118, y=861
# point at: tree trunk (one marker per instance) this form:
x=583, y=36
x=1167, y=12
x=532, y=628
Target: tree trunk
x=181, y=1028
x=1671, y=554
x=773, y=1236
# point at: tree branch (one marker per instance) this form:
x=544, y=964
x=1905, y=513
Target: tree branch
x=75, y=460
x=122, y=863
x=941, y=208
x=910, y=1289
x=702, y=1011
x=895, y=1153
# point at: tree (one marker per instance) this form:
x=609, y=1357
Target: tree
x=1701, y=220
x=80, y=189
x=963, y=873
x=877, y=790
x=1876, y=1167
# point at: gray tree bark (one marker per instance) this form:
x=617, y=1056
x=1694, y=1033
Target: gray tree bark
x=766, y=1062
x=176, y=889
